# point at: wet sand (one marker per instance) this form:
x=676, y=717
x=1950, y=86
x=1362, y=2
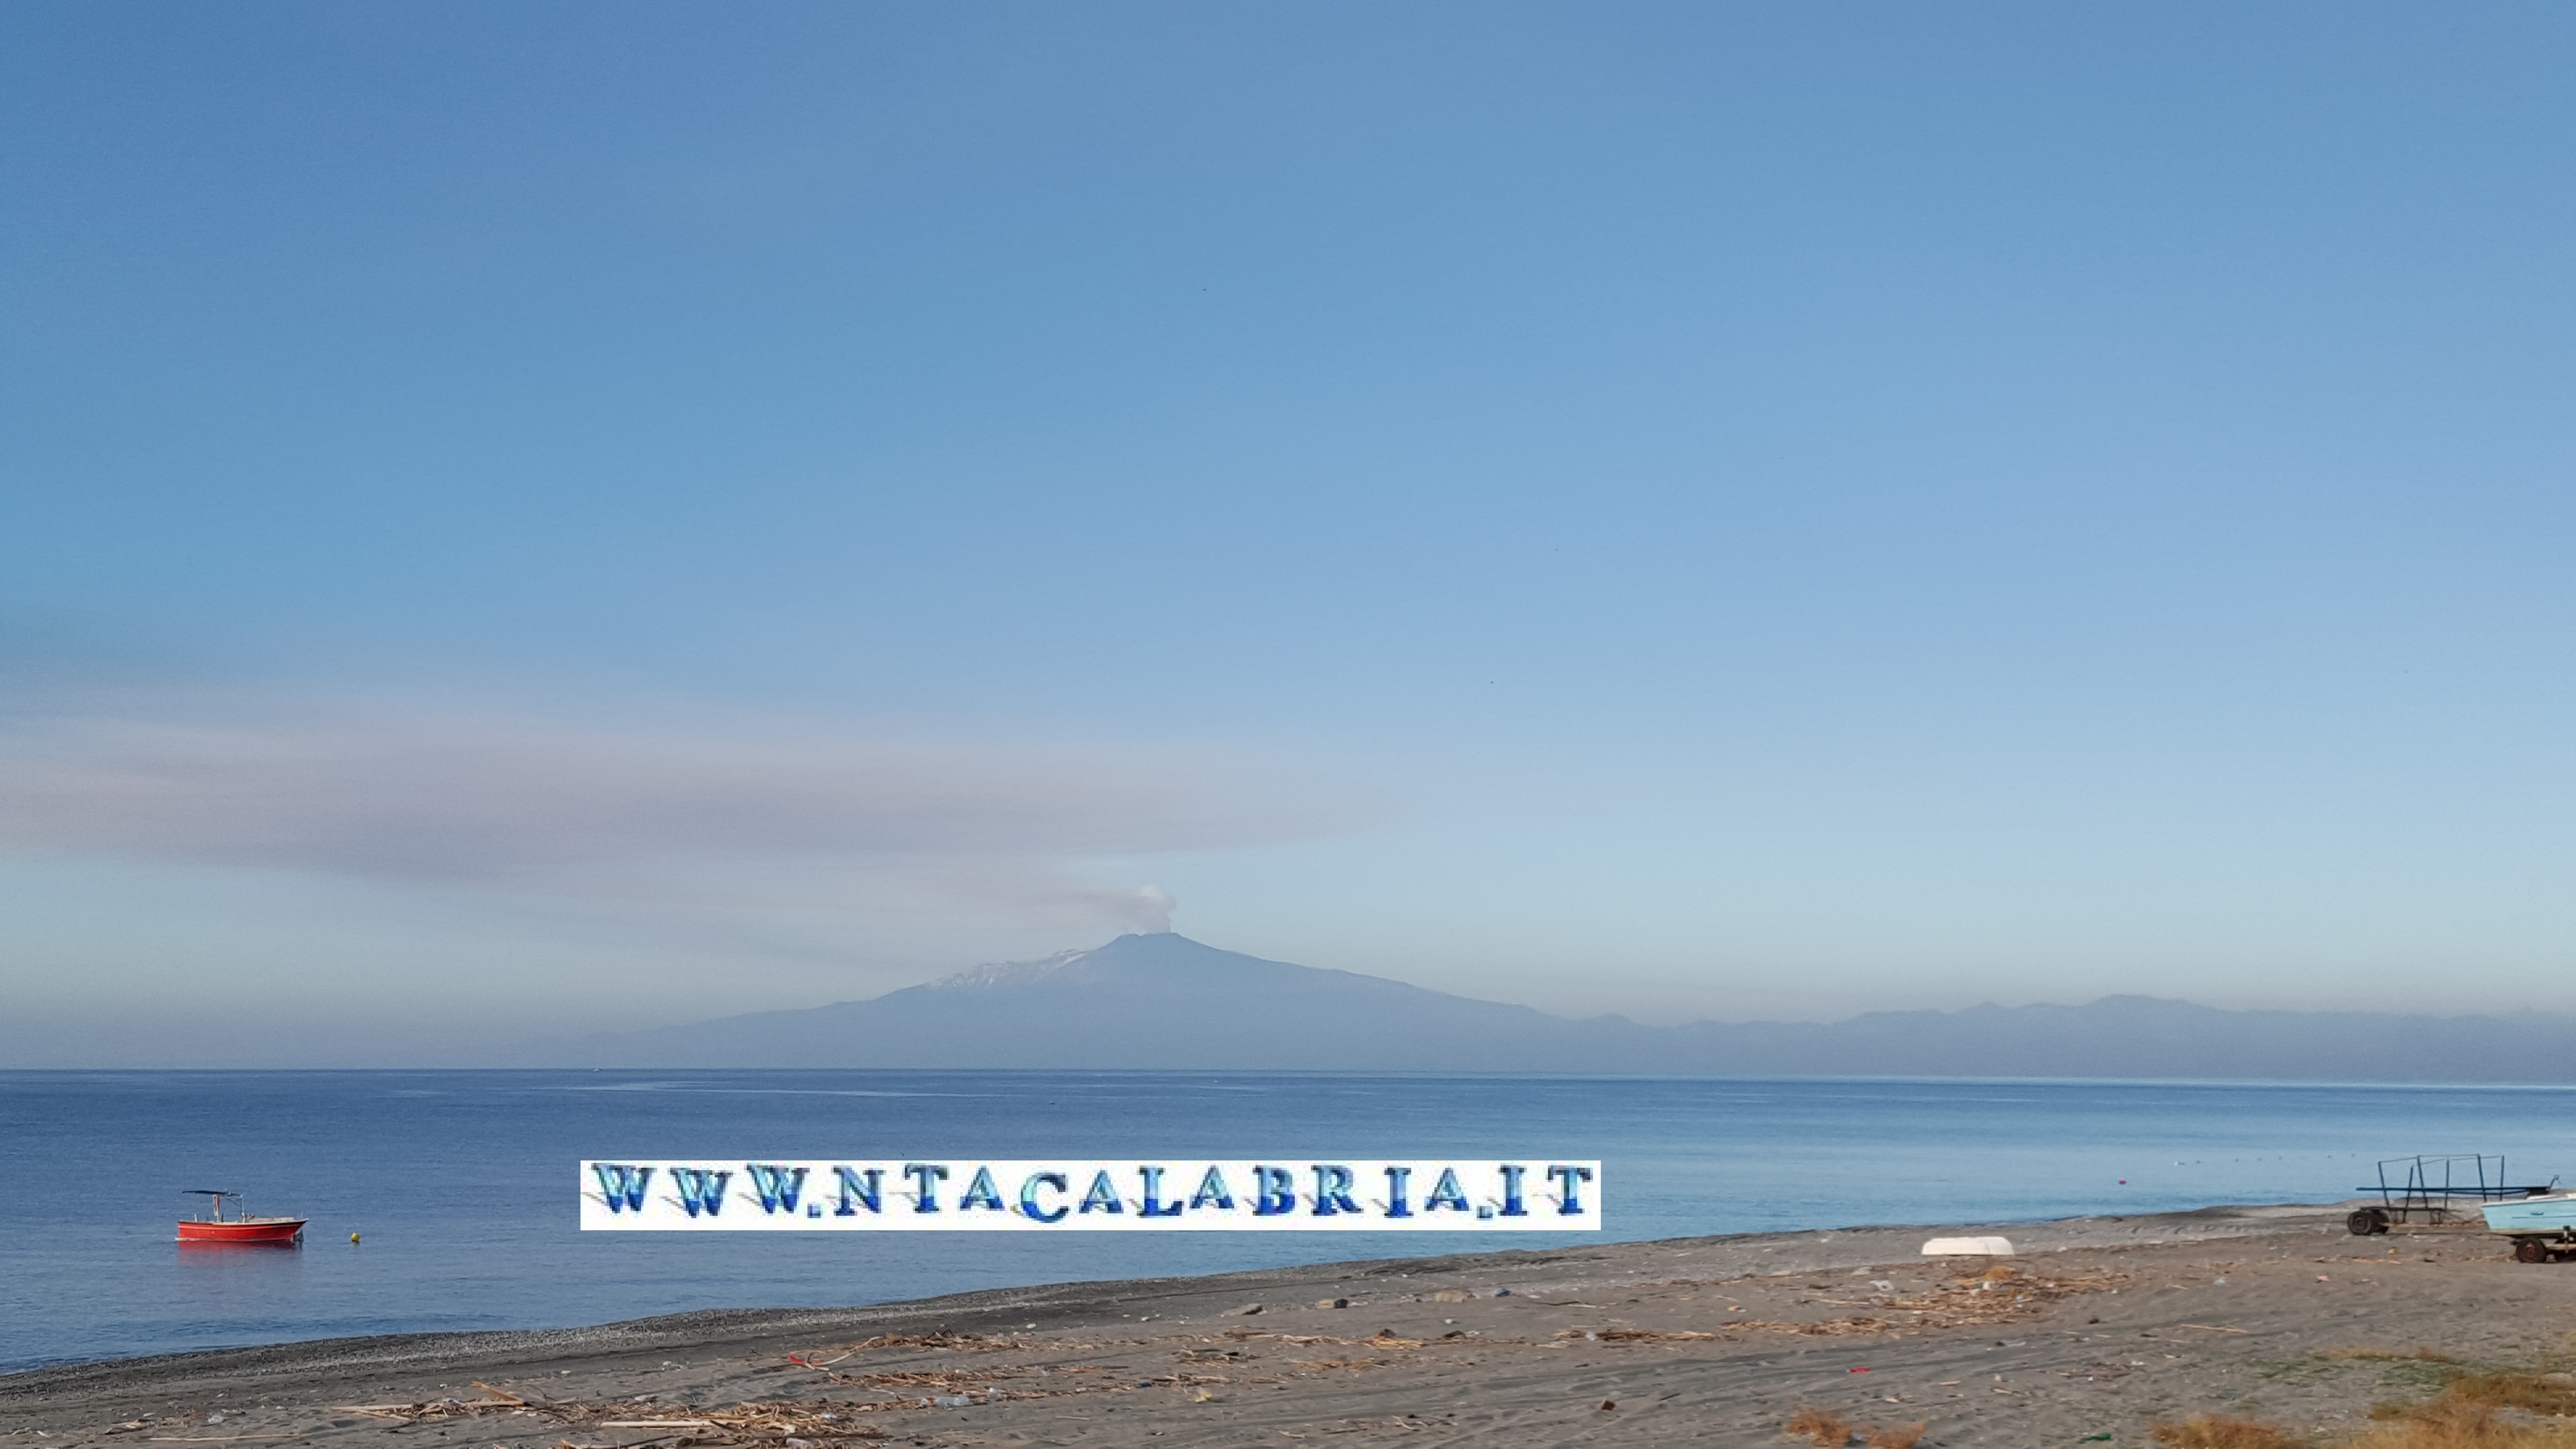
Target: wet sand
x=2098, y=1326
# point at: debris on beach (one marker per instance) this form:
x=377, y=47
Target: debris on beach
x=747, y=1423
x=1998, y=1295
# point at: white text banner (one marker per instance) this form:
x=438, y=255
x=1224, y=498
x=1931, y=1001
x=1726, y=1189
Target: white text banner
x=957, y=1194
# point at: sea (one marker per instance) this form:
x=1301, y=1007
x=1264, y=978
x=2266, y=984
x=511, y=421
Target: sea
x=460, y=1187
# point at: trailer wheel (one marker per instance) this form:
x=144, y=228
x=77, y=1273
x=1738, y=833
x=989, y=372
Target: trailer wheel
x=2362, y=1222
x=2530, y=1250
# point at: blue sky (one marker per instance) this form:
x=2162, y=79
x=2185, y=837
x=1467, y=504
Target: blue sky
x=634, y=512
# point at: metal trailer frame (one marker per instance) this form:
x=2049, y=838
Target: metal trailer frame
x=2422, y=1188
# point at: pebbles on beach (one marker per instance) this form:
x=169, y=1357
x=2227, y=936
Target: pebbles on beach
x=1715, y=1340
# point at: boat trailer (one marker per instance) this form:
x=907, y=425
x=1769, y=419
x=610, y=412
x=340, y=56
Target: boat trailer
x=2422, y=1189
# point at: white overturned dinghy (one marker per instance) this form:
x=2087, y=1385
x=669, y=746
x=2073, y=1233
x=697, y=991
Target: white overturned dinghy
x=1968, y=1248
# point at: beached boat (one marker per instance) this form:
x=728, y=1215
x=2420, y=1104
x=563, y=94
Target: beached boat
x=2542, y=1227
x=241, y=1227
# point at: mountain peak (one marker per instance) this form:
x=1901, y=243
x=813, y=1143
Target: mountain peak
x=1159, y=1000
x=1137, y=957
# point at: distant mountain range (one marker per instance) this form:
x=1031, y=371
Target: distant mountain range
x=1167, y=1002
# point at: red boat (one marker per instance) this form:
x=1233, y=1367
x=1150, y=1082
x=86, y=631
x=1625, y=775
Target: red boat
x=241, y=1227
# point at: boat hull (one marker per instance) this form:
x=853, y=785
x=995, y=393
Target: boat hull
x=2552, y=1215
x=251, y=1230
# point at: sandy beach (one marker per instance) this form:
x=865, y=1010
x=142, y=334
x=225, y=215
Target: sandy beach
x=2096, y=1328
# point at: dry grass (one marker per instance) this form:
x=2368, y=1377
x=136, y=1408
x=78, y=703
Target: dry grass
x=2449, y=1423
x=1832, y=1431
x=2538, y=1393
x=2222, y=1431
x=2471, y=1413
x=2498, y=1409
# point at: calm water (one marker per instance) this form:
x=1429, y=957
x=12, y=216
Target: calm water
x=461, y=1182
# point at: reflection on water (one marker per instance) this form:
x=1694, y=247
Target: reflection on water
x=214, y=1283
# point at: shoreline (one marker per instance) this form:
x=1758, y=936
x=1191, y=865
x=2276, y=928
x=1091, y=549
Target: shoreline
x=1737, y=1329
x=1808, y=1250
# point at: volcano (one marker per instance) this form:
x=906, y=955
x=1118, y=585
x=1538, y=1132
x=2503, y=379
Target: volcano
x=1167, y=1003
x=1161, y=1000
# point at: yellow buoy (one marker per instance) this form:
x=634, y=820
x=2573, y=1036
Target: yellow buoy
x=353, y=1237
